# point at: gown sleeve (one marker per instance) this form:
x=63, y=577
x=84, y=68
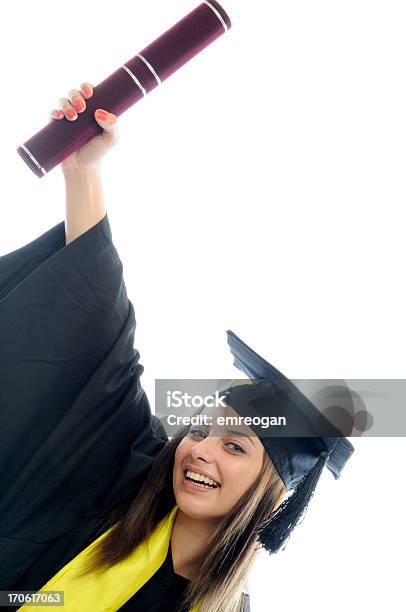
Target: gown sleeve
x=76, y=426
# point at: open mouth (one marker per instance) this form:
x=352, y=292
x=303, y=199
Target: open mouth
x=201, y=480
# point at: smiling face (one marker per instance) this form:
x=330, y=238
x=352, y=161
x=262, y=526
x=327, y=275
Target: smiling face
x=225, y=463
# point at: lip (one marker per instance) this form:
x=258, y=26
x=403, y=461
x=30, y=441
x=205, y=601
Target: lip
x=198, y=470
x=190, y=486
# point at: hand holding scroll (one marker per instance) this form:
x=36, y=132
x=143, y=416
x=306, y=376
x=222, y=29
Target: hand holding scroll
x=90, y=154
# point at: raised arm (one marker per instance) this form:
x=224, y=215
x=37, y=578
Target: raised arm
x=83, y=187
x=76, y=427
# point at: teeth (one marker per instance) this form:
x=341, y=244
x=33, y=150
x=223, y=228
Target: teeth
x=200, y=478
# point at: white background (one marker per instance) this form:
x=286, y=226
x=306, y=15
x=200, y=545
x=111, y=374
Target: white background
x=260, y=189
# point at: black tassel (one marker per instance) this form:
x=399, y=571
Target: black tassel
x=276, y=533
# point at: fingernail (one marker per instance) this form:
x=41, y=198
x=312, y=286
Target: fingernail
x=70, y=113
x=79, y=105
x=86, y=91
x=102, y=115
x=57, y=113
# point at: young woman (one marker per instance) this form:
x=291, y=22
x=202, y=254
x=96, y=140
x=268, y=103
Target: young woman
x=96, y=501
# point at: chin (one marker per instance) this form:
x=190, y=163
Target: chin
x=195, y=508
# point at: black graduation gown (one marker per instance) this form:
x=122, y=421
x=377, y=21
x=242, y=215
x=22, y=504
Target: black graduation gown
x=76, y=427
x=163, y=591
x=77, y=435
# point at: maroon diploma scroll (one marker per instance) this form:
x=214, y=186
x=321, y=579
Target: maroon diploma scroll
x=127, y=85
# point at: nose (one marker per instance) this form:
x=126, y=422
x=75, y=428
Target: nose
x=204, y=450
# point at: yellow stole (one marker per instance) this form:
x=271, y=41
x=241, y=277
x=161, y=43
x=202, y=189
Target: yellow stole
x=108, y=590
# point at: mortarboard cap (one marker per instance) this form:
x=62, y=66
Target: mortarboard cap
x=307, y=444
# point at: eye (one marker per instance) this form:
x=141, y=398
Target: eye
x=196, y=433
x=236, y=446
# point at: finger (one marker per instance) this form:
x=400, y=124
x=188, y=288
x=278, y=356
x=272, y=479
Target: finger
x=108, y=122
x=77, y=100
x=67, y=109
x=56, y=114
x=86, y=89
